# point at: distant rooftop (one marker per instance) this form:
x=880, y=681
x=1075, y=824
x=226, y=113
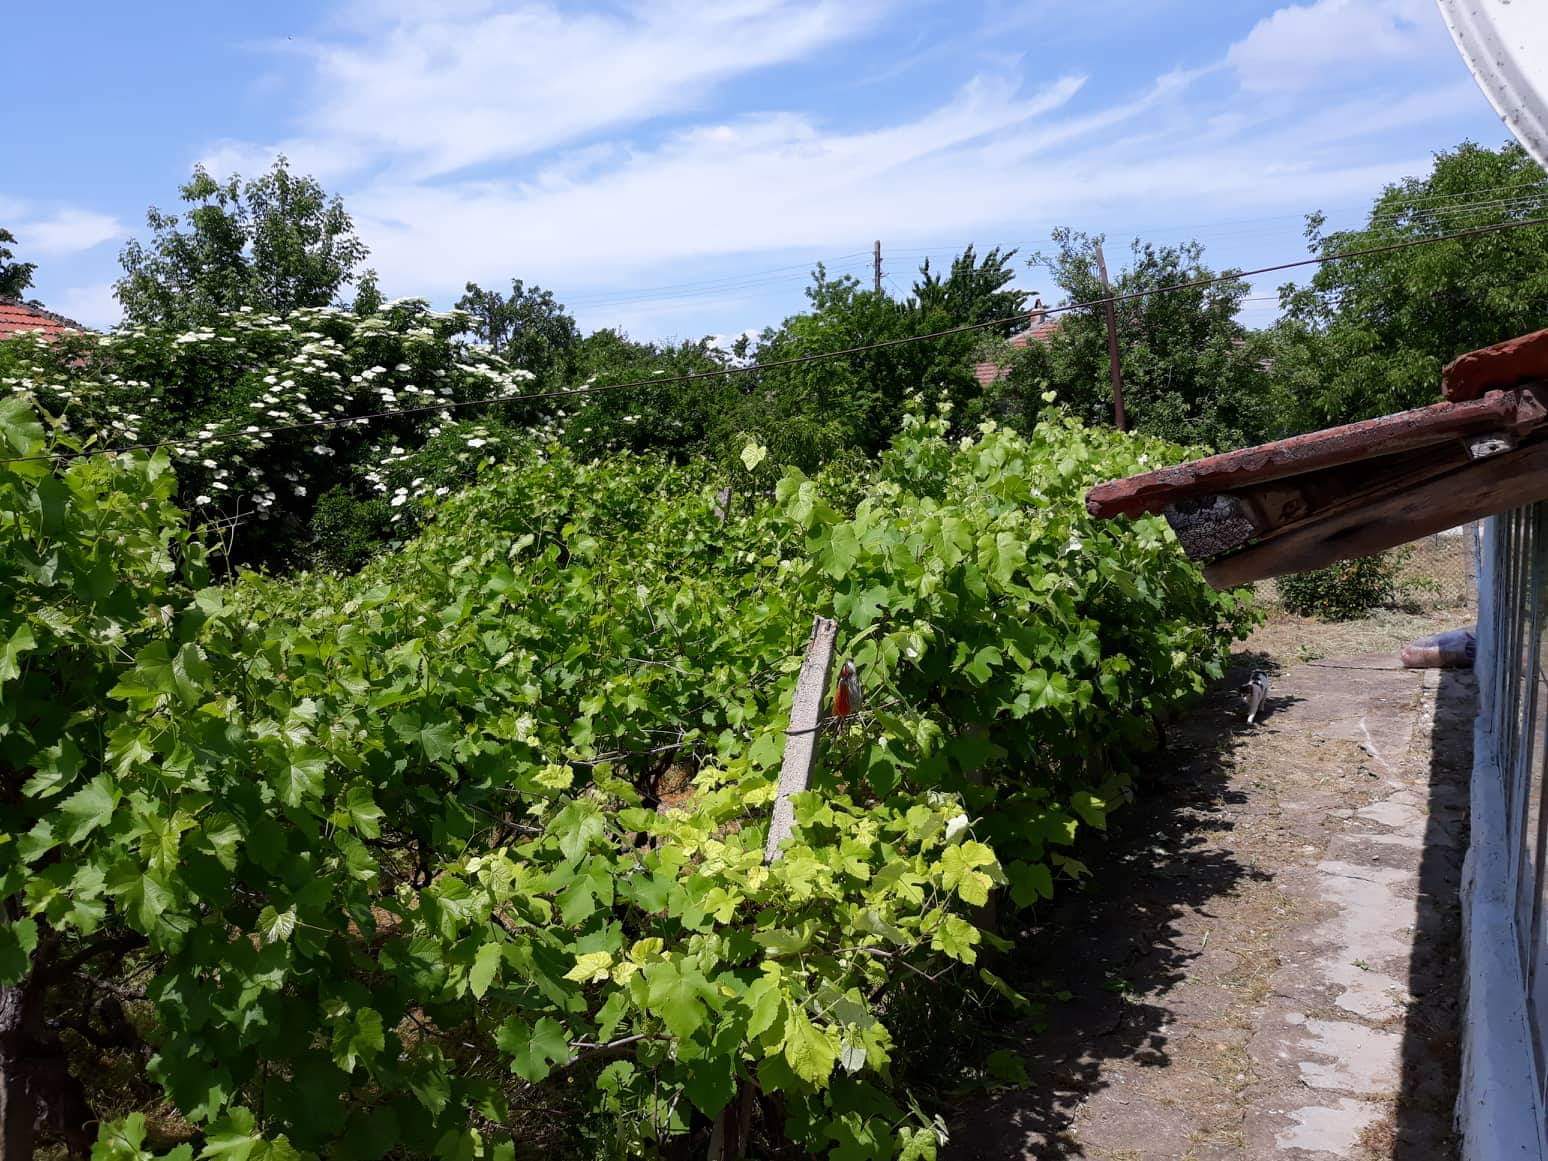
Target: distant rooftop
x=1041, y=330
x=18, y=317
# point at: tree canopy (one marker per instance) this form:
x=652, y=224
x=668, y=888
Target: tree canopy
x=274, y=243
x=1191, y=371
x=854, y=403
x=973, y=290
x=528, y=327
x=15, y=276
x=805, y=413
x=1370, y=335
x=213, y=394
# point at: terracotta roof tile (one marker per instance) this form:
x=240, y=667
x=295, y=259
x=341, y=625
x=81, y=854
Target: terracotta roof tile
x=987, y=373
x=1301, y=455
x=1040, y=331
x=1350, y=491
x=1498, y=368
x=21, y=317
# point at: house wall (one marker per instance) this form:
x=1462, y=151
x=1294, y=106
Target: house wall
x=1500, y=1106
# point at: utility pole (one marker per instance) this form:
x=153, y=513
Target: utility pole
x=1119, y=419
x=876, y=265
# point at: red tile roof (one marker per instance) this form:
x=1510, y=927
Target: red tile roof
x=1041, y=331
x=1349, y=491
x=17, y=317
x=987, y=373
x=1509, y=364
x=1300, y=455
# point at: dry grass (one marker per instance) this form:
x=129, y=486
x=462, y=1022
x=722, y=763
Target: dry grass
x=1379, y=1140
x=1439, y=595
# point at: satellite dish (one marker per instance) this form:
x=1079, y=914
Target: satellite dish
x=1505, y=45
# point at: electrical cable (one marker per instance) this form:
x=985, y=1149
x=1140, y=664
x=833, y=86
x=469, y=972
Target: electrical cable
x=845, y=263
x=712, y=285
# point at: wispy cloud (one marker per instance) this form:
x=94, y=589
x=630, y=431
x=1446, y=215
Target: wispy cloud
x=598, y=147
x=93, y=305
x=61, y=232
x=755, y=184
x=327, y=160
x=442, y=88
x=70, y=231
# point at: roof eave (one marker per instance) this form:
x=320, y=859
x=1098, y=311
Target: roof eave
x=1349, y=491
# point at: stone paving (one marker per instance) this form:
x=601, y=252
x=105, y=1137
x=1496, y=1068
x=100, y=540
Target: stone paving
x=1270, y=969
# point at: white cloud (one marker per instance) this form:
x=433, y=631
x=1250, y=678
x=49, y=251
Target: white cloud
x=1041, y=138
x=744, y=186
x=63, y=232
x=777, y=183
x=327, y=161
x=68, y=231
x=1302, y=45
x=590, y=148
x=443, y=88
x=93, y=305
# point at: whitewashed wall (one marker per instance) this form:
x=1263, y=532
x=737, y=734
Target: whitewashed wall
x=1500, y=1107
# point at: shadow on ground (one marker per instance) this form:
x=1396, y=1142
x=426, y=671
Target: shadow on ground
x=1207, y=848
x=1431, y=1057
x=1118, y=946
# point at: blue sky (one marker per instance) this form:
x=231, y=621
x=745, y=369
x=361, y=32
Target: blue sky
x=672, y=166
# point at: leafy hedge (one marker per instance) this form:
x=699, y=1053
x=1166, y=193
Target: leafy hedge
x=462, y=856
x=226, y=384
x=1347, y=590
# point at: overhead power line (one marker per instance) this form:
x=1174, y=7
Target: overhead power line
x=1526, y=196
x=711, y=285
x=656, y=381
x=858, y=261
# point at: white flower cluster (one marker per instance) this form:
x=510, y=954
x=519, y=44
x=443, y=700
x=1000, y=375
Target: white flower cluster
x=309, y=384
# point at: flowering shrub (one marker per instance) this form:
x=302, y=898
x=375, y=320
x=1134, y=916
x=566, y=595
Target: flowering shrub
x=389, y=863
x=226, y=385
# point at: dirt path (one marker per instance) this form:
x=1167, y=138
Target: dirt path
x=1265, y=964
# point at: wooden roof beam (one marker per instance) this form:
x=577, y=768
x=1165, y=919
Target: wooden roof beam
x=1514, y=411
x=1470, y=492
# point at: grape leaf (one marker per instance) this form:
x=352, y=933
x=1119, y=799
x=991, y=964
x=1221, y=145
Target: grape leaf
x=810, y=1051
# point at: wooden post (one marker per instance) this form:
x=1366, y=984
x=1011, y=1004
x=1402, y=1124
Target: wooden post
x=1470, y=559
x=1115, y=372
x=728, y=1139
x=801, y=738
x=876, y=265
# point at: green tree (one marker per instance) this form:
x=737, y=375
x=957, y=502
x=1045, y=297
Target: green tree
x=810, y=412
x=15, y=277
x=973, y=290
x=805, y=414
x=528, y=327
x=368, y=294
x=1370, y=335
x=274, y=243
x=676, y=418
x=1191, y=372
